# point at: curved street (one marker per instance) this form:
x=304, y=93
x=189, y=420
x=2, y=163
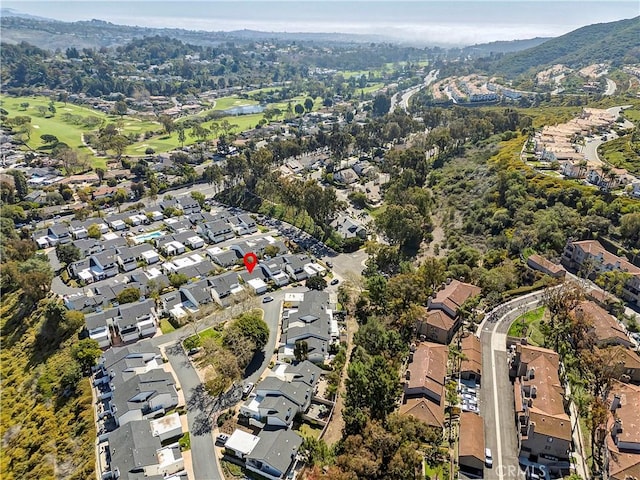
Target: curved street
x=496, y=394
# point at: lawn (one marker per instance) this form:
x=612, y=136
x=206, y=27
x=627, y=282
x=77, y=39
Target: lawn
x=196, y=341
x=166, y=326
x=67, y=133
x=370, y=89
x=70, y=133
x=529, y=324
x=439, y=472
x=633, y=115
x=224, y=103
x=307, y=430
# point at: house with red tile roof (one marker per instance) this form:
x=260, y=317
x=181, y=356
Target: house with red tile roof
x=424, y=386
x=605, y=327
x=441, y=320
x=623, y=432
x=544, y=427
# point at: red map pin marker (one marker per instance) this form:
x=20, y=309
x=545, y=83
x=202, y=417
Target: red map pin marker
x=250, y=261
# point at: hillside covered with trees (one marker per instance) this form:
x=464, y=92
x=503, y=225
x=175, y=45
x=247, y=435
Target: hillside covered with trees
x=47, y=425
x=614, y=42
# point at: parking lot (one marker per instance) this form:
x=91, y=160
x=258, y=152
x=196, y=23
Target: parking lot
x=468, y=391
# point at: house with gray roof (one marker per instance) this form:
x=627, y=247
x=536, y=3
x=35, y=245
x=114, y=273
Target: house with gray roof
x=201, y=217
x=114, y=243
x=128, y=257
x=133, y=359
x=135, y=453
x=198, y=293
x=58, y=233
x=349, y=228
x=294, y=266
x=298, y=392
x=312, y=322
x=274, y=454
x=176, y=226
x=88, y=246
x=189, y=205
x=274, y=270
x=173, y=203
x=224, y=258
x=137, y=320
x=216, y=231
x=141, y=395
x=103, y=264
x=243, y=224
x=83, y=303
x=222, y=286
x=98, y=326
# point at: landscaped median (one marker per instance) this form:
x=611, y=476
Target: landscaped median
x=528, y=326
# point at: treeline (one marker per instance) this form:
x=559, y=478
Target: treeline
x=160, y=65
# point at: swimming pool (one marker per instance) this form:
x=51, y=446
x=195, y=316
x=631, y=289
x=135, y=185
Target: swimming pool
x=148, y=236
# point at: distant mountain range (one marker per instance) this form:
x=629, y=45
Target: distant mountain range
x=53, y=34
x=614, y=42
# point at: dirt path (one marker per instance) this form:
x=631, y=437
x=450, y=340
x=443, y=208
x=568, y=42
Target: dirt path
x=438, y=239
x=336, y=423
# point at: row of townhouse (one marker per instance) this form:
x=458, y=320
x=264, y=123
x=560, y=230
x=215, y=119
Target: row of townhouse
x=127, y=323
x=136, y=439
x=110, y=323
x=111, y=254
x=441, y=317
x=426, y=376
x=288, y=390
x=212, y=227
x=623, y=432
x=542, y=419
x=308, y=319
x=591, y=259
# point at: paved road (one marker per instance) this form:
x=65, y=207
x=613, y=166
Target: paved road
x=407, y=94
x=496, y=394
x=611, y=87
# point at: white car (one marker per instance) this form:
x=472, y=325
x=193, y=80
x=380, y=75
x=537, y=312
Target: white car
x=247, y=389
x=488, y=459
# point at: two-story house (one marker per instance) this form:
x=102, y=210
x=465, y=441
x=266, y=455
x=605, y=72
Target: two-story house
x=544, y=427
x=441, y=320
x=623, y=434
x=423, y=389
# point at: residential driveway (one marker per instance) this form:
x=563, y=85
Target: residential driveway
x=272, y=312
x=201, y=411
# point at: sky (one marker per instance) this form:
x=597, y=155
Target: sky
x=454, y=22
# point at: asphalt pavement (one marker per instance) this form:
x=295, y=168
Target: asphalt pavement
x=497, y=405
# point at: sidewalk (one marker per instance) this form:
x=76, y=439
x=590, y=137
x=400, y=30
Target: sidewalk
x=576, y=434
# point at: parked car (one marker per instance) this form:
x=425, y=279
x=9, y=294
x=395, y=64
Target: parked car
x=488, y=459
x=267, y=299
x=193, y=351
x=247, y=389
x=222, y=439
x=335, y=281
